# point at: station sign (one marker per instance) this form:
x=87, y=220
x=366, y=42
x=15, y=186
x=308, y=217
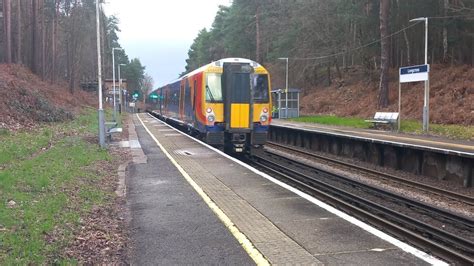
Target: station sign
x=414, y=73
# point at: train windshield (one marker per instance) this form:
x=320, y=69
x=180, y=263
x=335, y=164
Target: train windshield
x=213, y=88
x=260, y=88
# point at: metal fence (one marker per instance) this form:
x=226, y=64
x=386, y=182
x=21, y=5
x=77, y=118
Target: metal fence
x=280, y=107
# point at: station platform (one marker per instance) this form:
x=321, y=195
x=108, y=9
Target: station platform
x=457, y=147
x=191, y=204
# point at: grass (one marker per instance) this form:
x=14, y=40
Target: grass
x=334, y=120
x=407, y=126
x=45, y=172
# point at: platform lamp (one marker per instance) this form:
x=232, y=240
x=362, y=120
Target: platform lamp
x=99, y=81
x=426, y=105
x=113, y=76
x=286, y=88
x=120, y=87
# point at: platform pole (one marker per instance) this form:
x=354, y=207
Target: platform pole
x=399, y=105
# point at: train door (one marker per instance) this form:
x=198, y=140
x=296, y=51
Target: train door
x=188, y=109
x=181, y=101
x=237, y=96
x=193, y=99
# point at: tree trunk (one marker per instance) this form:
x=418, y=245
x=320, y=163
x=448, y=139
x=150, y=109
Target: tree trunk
x=329, y=74
x=353, y=44
x=43, y=41
x=445, y=33
x=257, y=37
x=407, y=42
x=7, y=30
x=18, y=34
x=472, y=51
x=54, y=27
x=338, y=71
x=34, y=39
x=72, y=47
x=385, y=53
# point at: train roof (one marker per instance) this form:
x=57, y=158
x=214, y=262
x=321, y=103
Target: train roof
x=218, y=63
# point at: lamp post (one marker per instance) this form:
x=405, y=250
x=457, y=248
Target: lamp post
x=426, y=105
x=120, y=88
x=113, y=76
x=286, y=88
x=99, y=81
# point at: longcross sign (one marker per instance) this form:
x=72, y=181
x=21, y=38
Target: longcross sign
x=414, y=73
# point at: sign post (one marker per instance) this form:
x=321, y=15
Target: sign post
x=414, y=74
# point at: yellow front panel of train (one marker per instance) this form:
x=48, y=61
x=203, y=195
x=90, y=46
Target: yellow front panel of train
x=239, y=115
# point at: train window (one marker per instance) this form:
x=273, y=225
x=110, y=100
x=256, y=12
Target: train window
x=213, y=88
x=260, y=88
x=240, y=88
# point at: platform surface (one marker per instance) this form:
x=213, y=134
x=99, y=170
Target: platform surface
x=463, y=147
x=171, y=222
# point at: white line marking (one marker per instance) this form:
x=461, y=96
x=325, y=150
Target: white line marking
x=403, y=246
x=257, y=257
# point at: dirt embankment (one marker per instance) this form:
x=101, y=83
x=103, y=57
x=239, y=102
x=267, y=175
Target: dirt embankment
x=26, y=100
x=451, y=96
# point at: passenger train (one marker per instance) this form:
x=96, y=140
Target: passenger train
x=225, y=103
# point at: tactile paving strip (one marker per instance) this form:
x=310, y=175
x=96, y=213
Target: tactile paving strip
x=274, y=245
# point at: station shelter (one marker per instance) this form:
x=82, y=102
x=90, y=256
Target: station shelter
x=280, y=109
x=120, y=90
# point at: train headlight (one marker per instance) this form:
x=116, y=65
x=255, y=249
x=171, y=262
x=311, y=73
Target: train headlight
x=209, y=110
x=265, y=110
x=211, y=118
x=263, y=118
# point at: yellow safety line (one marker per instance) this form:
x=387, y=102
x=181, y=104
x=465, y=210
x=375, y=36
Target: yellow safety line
x=257, y=257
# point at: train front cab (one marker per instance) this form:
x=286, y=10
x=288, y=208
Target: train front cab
x=246, y=106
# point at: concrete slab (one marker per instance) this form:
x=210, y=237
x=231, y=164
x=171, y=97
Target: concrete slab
x=170, y=222
x=384, y=257
x=291, y=209
x=264, y=235
x=285, y=228
x=331, y=235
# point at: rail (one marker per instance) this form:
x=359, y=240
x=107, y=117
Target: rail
x=452, y=247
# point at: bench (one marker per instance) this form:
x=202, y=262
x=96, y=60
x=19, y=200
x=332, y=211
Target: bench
x=384, y=118
x=109, y=125
x=110, y=129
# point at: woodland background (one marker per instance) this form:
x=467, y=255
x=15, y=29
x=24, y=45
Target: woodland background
x=56, y=39
x=324, y=38
x=343, y=54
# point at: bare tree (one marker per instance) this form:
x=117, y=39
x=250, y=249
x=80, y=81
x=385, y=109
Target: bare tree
x=19, y=32
x=407, y=43
x=43, y=40
x=7, y=30
x=445, y=32
x=147, y=86
x=257, y=30
x=385, y=53
x=54, y=26
x=34, y=39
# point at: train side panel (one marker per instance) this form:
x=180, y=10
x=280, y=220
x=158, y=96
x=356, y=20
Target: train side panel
x=171, y=100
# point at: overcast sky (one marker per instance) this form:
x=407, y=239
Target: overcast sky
x=160, y=32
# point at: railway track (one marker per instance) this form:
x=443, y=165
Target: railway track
x=392, y=178
x=436, y=231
